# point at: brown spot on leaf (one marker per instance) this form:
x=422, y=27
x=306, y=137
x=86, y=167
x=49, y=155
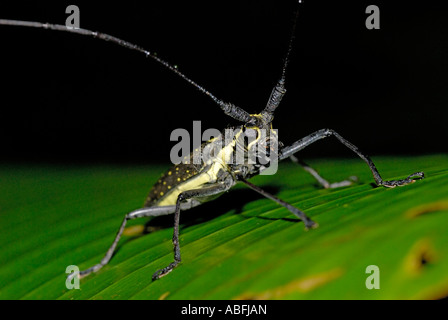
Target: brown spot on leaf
x=421, y=254
x=303, y=285
x=164, y=295
x=134, y=230
x=427, y=208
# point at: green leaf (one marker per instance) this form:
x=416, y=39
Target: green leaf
x=239, y=246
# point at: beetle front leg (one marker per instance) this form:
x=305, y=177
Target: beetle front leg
x=325, y=133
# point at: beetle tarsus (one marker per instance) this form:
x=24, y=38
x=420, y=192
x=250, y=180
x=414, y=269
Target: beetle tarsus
x=399, y=183
x=163, y=272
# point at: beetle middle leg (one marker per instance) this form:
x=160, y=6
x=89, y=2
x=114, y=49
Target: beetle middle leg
x=210, y=190
x=324, y=183
x=308, y=222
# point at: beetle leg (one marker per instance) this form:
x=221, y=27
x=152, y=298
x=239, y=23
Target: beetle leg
x=195, y=193
x=324, y=183
x=139, y=213
x=308, y=222
x=325, y=133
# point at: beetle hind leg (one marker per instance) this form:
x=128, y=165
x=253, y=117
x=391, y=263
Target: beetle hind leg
x=139, y=213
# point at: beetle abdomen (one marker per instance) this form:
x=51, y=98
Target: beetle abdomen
x=169, y=181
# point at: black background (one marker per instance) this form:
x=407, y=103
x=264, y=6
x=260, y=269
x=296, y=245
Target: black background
x=67, y=98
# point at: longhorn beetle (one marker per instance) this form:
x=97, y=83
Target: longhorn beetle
x=187, y=185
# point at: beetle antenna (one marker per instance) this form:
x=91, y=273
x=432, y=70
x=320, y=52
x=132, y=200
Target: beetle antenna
x=279, y=90
x=228, y=108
